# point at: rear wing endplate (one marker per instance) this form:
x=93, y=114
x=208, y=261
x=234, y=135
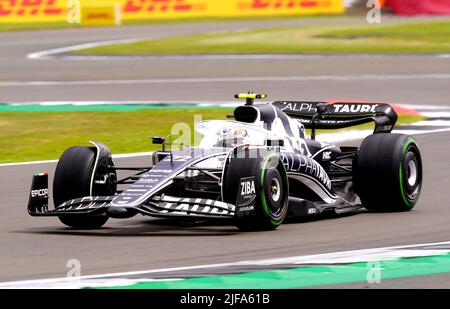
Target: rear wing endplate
x=337, y=115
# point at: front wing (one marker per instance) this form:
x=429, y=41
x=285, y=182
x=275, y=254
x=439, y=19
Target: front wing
x=158, y=206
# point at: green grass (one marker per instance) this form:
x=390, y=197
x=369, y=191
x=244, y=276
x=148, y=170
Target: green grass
x=29, y=136
x=417, y=37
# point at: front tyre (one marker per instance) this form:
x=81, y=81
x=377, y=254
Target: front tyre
x=388, y=173
x=73, y=177
x=271, y=190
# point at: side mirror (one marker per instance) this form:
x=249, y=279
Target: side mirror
x=158, y=140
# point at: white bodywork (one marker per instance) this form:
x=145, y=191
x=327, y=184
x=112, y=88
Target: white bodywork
x=257, y=134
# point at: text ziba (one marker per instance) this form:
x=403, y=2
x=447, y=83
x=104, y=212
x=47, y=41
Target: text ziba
x=248, y=187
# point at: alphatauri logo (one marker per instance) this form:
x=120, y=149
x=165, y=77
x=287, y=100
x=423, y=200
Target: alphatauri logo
x=355, y=108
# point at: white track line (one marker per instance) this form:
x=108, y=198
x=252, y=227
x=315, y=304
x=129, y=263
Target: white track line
x=435, y=114
x=80, y=57
x=28, y=163
x=380, y=77
x=428, y=108
x=62, y=53
x=137, y=102
x=46, y=54
x=432, y=123
x=352, y=256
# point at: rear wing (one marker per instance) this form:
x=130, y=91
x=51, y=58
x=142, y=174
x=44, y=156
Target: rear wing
x=338, y=115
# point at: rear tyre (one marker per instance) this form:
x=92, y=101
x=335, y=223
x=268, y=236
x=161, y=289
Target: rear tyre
x=73, y=180
x=271, y=190
x=388, y=172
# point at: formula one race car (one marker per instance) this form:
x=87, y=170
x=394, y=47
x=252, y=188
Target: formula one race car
x=253, y=171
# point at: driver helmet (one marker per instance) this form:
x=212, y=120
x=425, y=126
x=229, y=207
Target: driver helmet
x=232, y=137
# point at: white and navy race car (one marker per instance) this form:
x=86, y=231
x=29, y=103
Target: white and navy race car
x=252, y=171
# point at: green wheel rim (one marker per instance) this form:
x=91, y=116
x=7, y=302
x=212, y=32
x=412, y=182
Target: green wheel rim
x=405, y=199
x=263, y=195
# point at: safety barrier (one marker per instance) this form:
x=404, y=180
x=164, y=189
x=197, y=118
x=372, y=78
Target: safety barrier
x=43, y=11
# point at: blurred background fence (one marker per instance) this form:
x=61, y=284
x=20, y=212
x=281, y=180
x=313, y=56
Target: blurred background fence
x=25, y=11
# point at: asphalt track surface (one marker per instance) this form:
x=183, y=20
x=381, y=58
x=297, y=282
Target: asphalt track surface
x=33, y=248
x=177, y=79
